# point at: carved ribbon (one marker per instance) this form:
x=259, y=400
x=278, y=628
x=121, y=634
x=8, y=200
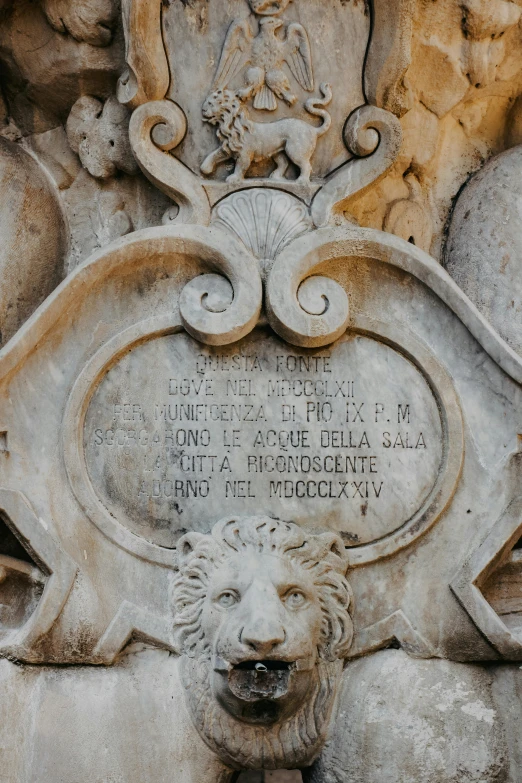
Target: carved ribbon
x=389, y=55
x=375, y=136
x=155, y=129
x=147, y=76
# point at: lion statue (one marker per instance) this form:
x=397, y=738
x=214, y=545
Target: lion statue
x=246, y=141
x=263, y=623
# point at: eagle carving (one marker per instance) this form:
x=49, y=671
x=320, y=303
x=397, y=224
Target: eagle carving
x=264, y=56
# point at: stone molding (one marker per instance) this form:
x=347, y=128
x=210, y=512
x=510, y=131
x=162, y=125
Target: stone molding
x=36, y=536
x=324, y=245
x=469, y=581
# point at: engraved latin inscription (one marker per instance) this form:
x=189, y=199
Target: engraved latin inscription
x=178, y=434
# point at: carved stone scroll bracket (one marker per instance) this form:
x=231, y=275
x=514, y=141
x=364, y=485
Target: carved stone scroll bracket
x=147, y=76
x=306, y=254
x=375, y=137
x=470, y=580
x=311, y=312
x=34, y=534
x=389, y=55
x=155, y=129
x=133, y=622
x=219, y=310
x=305, y=309
x=395, y=628
x=204, y=314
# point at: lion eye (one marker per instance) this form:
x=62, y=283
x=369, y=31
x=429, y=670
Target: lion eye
x=227, y=599
x=295, y=599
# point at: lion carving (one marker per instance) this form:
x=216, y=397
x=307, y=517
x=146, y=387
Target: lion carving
x=263, y=624
x=246, y=141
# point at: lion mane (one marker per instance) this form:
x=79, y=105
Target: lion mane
x=323, y=556
x=224, y=109
x=296, y=741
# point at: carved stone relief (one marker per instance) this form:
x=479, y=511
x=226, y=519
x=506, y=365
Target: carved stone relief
x=260, y=391
x=252, y=410
x=263, y=54
x=92, y=22
x=263, y=624
x=265, y=66
x=98, y=134
x=266, y=221
x=283, y=141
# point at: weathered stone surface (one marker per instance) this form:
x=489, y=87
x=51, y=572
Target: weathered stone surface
x=137, y=283
x=92, y=21
x=483, y=249
x=397, y=717
x=173, y=425
x=401, y=719
x=98, y=134
x=95, y=724
x=48, y=70
x=33, y=243
x=252, y=434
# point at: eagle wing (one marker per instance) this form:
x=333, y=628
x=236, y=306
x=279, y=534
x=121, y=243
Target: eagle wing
x=235, y=54
x=298, y=55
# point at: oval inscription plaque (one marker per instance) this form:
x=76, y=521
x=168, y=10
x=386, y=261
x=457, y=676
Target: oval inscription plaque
x=177, y=435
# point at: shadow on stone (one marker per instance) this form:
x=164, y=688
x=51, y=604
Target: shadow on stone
x=280, y=776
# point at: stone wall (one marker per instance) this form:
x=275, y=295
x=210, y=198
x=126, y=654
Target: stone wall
x=260, y=391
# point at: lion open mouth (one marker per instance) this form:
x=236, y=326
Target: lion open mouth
x=256, y=680
x=262, y=667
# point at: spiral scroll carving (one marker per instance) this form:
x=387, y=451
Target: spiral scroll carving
x=375, y=137
x=307, y=310
x=155, y=129
x=223, y=306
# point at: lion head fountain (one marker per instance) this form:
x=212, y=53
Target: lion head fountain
x=263, y=622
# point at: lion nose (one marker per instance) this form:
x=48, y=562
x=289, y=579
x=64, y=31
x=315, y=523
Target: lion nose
x=263, y=636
